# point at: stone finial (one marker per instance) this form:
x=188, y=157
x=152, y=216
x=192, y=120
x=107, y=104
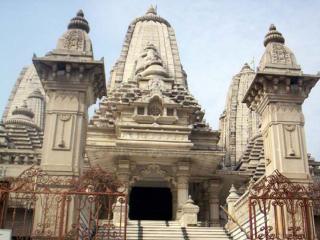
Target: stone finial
x=190, y=200
x=233, y=193
x=273, y=36
x=79, y=22
x=152, y=10
x=246, y=67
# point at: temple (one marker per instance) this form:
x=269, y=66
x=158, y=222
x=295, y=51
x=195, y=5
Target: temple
x=150, y=131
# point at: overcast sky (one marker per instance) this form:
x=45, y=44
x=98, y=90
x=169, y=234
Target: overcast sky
x=215, y=39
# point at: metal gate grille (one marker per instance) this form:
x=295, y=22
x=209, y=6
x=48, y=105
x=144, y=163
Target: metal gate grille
x=39, y=206
x=280, y=209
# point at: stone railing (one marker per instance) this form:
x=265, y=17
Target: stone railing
x=20, y=157
x=238, y=208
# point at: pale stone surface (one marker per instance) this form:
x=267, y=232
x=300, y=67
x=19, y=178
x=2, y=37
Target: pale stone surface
x=190, y=212
x=237, y=123
x=149, y=129
x=72, y=80
x=277, y=93
x=27, y=82
x=119, y=212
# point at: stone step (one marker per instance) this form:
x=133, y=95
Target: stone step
x=171, y=230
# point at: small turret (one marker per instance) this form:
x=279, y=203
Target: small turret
x=75, y=42
x=37, y=104
x=277, y=57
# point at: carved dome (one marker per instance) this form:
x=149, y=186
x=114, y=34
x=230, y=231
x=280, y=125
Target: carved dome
x=277, y=57
x=75, y=41
x=79, y=22
x=273, y=36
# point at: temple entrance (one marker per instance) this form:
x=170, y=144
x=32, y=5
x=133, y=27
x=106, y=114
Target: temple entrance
x=149, y=203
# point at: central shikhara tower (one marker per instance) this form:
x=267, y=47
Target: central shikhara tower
x=150, y=129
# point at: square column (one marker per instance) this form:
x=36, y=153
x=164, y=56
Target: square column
x=183, y=169
x=214, y=191
x=278, y=99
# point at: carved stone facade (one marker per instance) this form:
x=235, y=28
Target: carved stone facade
x=148, y=129
x=237, y=122
x=150, y=121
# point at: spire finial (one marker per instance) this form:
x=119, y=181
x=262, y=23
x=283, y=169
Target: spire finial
x=152, y=10
x=273, y=36
x=80, y=13
x=79, y=22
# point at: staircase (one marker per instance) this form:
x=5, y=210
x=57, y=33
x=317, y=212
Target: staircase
x=171, y=230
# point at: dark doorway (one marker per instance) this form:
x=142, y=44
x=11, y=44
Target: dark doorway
x=148, y=203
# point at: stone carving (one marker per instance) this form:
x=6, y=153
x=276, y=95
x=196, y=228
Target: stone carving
x=280, y=55
x=155, y=107
x=65, y=95
x=63, y=134
x=291, y=141
x=150, y=63
x=153, y=170
x=74, y=40
x=153, y=136
x=155, y=85
x=64, y=117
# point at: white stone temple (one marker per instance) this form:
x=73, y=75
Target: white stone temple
x=149, y=130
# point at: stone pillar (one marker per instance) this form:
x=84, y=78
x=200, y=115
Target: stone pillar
x=231, y=200
x=183, y=169
x=174, y=202
x=276, y=94
x=72, y=81
x=214, y=190
x=123, y=173
x=120, y=213
x=189, y=216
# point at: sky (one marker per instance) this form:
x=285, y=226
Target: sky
x=215, y=39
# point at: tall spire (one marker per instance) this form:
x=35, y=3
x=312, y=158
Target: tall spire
x=79, y=22
x=273, y=36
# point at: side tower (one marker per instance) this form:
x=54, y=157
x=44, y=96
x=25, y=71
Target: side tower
x=277, y=93
x=72, y=80
x=237, y=122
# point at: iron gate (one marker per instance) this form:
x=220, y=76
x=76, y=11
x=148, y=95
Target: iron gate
x=280, y=209
x=38, y=206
